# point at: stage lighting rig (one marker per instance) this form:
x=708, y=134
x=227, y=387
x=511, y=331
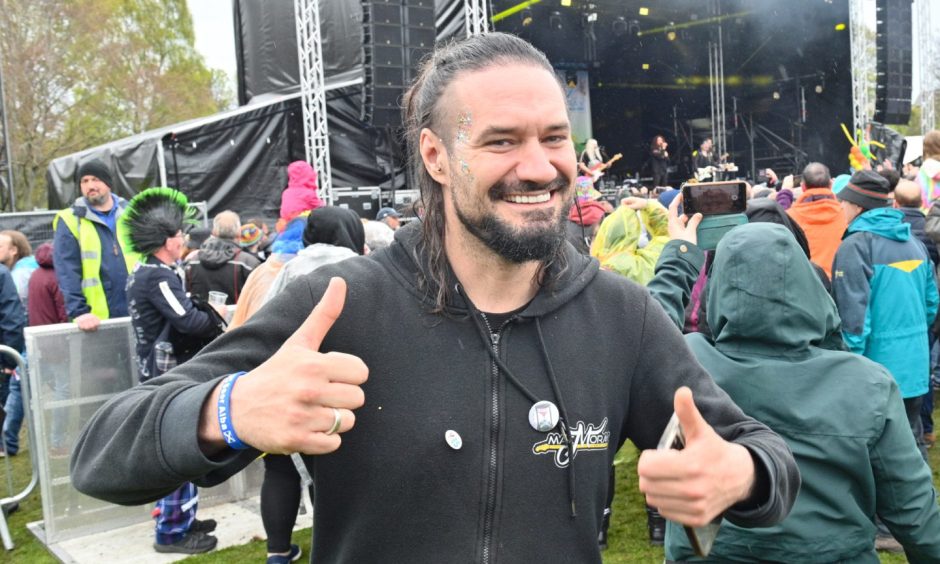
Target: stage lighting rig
x=634, y=27
x=526, y=17
x=619, y=26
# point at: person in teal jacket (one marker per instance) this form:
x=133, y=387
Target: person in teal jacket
x=883, y=283
x=776, y=351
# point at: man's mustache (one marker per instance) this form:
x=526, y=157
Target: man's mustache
x=500, y=189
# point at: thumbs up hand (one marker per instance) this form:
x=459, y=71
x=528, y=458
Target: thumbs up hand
x=694, y=485
x=287, y=404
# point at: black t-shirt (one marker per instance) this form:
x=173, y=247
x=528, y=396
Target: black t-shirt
x=495, y=321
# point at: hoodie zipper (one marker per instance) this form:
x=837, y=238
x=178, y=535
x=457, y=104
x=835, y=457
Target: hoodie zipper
x=489, y=514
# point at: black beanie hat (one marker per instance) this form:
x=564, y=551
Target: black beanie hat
x=97, y=169
x=867, y=189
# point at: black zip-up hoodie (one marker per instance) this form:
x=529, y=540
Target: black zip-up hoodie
x=395, y=491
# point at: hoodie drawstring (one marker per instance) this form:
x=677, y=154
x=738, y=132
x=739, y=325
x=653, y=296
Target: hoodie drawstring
x=563, y=419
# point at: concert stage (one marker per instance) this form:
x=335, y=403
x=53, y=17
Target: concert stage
x=786, y=66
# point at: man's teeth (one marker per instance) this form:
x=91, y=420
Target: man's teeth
x=541, y=198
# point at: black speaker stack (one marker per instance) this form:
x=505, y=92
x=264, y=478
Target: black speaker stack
x=894, y=43
x=397, y=35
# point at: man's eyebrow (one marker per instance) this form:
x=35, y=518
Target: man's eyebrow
x=498, y=130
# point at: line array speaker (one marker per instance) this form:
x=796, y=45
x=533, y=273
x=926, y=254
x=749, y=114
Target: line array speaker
x=397, y=35
x=894, y=45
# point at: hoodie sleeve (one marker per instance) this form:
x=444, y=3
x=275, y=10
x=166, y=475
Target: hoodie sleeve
x=666, y=364
x=12, y=318
x=143, y=443
x=171, y=301
x=933, y=299
x=67, y=258
x=676, y=272
x=851, y=289
x=906, y=499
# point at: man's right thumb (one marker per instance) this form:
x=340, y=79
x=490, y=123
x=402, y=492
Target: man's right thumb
x=326, y=312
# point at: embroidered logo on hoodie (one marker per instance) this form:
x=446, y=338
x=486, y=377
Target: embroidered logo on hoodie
x=584, y=437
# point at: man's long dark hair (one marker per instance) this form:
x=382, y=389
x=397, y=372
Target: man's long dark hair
x=424, y=107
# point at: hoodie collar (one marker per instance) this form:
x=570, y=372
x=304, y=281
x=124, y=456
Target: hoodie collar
x=405, y=259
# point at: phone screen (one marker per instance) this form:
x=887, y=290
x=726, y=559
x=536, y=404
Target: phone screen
x=714, y=198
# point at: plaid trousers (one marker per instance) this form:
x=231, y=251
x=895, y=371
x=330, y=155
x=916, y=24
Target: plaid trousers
x=175, y=513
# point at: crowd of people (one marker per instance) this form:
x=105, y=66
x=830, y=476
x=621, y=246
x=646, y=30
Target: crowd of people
x=457, y=387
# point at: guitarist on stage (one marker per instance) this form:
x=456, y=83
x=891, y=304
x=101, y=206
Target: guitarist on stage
x=704, y=158
x=591, y=163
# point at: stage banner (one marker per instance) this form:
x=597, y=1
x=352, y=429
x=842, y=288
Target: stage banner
x=578, y=93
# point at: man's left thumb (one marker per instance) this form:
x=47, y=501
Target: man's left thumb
x=693, y=424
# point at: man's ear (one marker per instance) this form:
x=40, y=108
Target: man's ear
x=434, y=155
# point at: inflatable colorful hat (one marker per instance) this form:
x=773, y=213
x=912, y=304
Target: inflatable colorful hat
x=584, y=189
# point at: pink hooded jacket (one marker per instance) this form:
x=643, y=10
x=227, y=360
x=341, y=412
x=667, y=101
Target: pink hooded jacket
x=301, y=192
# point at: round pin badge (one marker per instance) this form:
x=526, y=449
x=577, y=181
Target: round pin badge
x=543, y=416
x=453, y=439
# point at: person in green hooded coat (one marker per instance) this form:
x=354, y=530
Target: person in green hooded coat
x=776, y=351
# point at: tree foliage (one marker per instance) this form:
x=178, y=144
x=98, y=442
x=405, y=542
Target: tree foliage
x=81, y=73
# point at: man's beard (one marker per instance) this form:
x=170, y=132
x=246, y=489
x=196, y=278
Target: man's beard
x=538, y=242
x=98, y=200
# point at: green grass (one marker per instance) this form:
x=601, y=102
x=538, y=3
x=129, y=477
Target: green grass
x=627, y=538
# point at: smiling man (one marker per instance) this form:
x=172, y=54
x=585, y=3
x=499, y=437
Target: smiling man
x=479, y=432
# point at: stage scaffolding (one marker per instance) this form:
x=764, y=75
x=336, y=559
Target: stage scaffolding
x=477, y=16
x=926, y=42
x=313, y=94
x=716, y=82
x=863, y=63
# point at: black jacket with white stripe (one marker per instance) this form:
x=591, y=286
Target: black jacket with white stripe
x=158, y=304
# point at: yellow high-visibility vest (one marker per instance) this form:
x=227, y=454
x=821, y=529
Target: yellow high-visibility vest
x=90, y=247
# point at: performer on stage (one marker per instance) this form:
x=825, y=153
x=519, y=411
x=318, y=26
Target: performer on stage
x=591, y=157
x=704, y=158
x=659, y=161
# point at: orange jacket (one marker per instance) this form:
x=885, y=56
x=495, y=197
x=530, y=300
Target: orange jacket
x=823, y=222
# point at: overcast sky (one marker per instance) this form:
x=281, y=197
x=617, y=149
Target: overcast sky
x=215, y=34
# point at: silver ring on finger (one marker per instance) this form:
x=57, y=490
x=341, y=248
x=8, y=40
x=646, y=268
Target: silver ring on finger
x=337, y=421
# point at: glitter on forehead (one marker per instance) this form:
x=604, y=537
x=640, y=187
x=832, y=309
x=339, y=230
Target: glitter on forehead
x=464, y=122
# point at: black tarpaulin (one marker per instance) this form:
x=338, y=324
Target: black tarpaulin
x=237, y=159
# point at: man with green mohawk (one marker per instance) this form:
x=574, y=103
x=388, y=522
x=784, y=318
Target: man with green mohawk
x=167, y=323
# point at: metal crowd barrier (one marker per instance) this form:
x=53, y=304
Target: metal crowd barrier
x=71, y=374
x=13, y=499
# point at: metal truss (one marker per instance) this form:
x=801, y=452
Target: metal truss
x=928, y=85
x=477, y=22
x=716, y=75
x=313, y=93
x=863, y=64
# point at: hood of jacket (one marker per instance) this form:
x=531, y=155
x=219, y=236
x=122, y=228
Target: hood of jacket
x=44, y=255
x=765, y=296
x=886, y=222
x=406, y=261
x=931, y=168
x=215, y=252
x=335, y=226
x=301, y=175
x=591, y=213
x=765, y=210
